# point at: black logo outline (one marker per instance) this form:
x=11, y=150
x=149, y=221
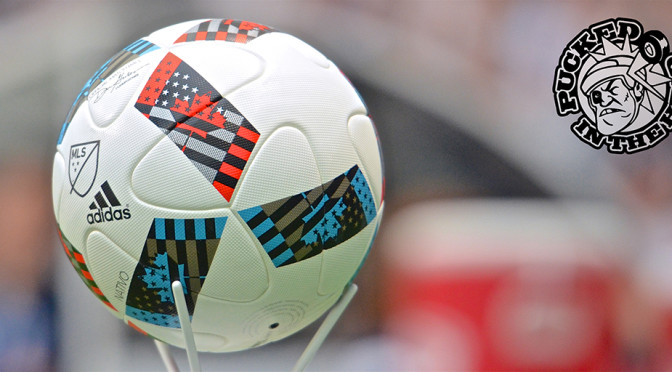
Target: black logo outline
x=619, y=79
x=73, y=183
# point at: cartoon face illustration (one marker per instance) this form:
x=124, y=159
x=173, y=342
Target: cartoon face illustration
x=622, y=91
x=622, y=88
x=615, y=104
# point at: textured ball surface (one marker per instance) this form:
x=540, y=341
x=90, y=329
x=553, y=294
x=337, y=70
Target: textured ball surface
x=229, y=156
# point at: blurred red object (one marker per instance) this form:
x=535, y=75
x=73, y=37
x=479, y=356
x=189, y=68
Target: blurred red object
x=503, y=285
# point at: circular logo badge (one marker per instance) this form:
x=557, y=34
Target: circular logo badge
x=617, y=77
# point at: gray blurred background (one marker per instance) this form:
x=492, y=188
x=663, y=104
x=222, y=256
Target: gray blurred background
x=508, y=244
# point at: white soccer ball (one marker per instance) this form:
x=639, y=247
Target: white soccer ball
x=229, y=156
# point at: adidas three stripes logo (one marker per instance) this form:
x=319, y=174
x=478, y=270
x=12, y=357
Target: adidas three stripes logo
x=105, y=199
x=106, y=207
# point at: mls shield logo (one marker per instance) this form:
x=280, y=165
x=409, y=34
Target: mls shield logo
x=83, y=166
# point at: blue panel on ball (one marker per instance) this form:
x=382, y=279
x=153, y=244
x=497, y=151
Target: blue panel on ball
x=324, y=217
x=175, y=249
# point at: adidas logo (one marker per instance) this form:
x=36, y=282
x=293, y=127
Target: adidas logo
x=107, y=207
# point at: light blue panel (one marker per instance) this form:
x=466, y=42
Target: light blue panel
x=364, y=194
x=220, y=222
x=199, y=227
x=284, y=256
x=248, y=214
x=273, y=243
x=263, y=227
x=179, y=230
x=160, y=228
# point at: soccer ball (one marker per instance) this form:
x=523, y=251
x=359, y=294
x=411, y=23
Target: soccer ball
x=229, y=156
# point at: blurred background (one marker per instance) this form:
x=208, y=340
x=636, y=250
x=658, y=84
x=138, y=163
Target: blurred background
x=507, y=244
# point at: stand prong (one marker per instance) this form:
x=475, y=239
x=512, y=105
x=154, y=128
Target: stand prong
x=185, y=324
x=190, y=345
x=326, y=327
x=167, y=358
